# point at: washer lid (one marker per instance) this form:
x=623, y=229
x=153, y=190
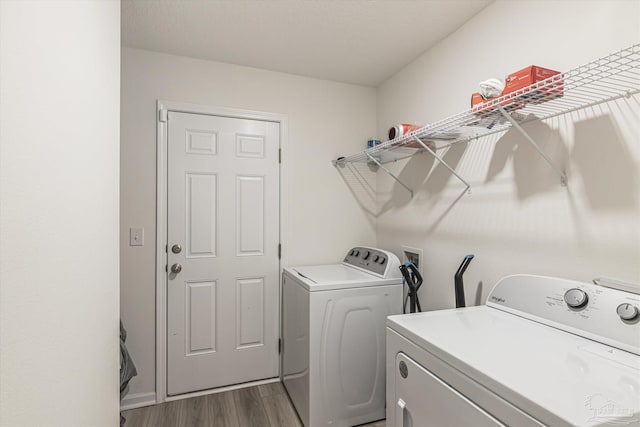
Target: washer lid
x=556, y=377
x=336, y=276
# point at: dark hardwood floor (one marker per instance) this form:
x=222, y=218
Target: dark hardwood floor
x=259, y=406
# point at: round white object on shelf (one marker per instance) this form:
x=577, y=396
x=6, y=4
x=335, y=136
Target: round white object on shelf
x=491, y=88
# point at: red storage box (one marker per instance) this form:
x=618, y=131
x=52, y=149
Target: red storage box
x=534, y=74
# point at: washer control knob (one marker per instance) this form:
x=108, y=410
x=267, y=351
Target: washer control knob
x=353, y=251
x=576, y=298
x=376, y=258
x=382, y=260
x=627, y=312
x=357, y=252
x=366, y=255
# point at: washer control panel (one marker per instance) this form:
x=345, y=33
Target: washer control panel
x=610, y=316
x=376, y=261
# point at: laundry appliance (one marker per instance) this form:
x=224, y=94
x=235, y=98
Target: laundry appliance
x=333, y=362
x=542, y=351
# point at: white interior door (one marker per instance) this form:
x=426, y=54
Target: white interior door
x=223, y=235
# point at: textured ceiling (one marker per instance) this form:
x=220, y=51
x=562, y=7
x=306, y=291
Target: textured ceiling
x=352, y=41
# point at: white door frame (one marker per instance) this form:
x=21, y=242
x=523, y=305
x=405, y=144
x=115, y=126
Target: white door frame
x=163, y=107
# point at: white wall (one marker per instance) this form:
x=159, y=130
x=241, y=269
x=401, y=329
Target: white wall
x=326, y=120
x=59, y=155
x=517, y=219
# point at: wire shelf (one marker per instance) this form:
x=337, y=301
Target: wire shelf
x=606, y=79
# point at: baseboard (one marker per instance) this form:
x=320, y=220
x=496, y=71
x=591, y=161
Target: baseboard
x=137, y=400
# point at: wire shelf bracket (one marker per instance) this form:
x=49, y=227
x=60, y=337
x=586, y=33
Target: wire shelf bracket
x=442, y=162
x=515, y=124
x=374, y=160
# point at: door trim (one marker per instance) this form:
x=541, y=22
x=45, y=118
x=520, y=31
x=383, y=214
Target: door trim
x=162, y=108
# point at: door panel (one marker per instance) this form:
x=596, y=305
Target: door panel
x=202, y=203
x=200, y=142
x=250, y=312
x=250, y=215
x=223, y=210
x=250, y=146
x=200, y=310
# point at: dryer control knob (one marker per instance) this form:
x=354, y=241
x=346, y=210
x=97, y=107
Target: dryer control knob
x=376, y=258
x=576, y=298
x=366, y=255
x=627, y=312
x=382, y=260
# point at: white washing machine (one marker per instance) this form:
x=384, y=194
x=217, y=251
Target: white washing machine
x=333, y=361
x=542, y=351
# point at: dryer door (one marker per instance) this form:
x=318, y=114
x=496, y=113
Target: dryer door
x=348, y=354
x=424, y=400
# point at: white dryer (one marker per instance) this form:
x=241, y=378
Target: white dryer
x=542, y=351
x=333, y=362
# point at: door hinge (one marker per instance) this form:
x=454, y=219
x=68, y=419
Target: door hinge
x=280, y=345
x=279, y=155
x=279, y=250
x=166, y=248
x=166, y=268
x=163, y=116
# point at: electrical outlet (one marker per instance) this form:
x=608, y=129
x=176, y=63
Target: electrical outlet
x=136, y=236
x=412, y=255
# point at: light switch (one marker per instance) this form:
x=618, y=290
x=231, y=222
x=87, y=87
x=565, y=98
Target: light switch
x=136, y=236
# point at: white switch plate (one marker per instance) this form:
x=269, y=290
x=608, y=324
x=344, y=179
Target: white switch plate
x=136, y=236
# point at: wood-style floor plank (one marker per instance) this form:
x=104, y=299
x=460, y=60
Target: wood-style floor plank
x=195, y=412
x=266, y=405
x=223, y=410
x=280, y=411
x=173, y=413
x=249, y=407
x=271, y=389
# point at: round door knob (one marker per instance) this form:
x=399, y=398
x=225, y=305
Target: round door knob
x=176, y=268
x=176, y=249
x=627, y=312
x=576, y=298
